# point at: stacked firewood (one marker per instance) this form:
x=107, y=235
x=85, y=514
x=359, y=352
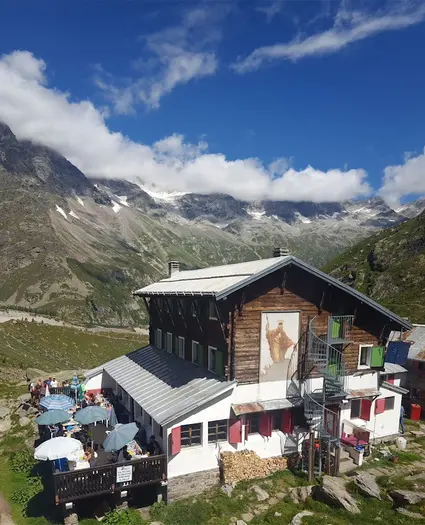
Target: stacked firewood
x=237, y=466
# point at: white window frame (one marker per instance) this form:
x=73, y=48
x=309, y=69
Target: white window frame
x=210, y=350
x=193, y=360
x=212, y=312
x=181, y=349
x=367, y=366
x=158, y=336
x=385, y=406
x=169, y=338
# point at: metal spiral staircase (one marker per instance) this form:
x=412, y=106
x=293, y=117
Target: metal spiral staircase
x=324, y=380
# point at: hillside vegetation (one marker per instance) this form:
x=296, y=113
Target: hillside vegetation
x=389, y=267
x=25, y=346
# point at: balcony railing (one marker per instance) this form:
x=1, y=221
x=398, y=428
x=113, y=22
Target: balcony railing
x=340, y=329
x=105, y=479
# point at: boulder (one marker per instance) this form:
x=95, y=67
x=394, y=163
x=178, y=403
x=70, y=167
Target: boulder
x=247, y=517
x=5, y=425
x=240, y=522
x=261, y=494
x=24, y=421
x=410, y=514
x=334, y=493
x=298, y=518
x=300, y=494
x=405, y=497
x=4, y=412
x=366, y=483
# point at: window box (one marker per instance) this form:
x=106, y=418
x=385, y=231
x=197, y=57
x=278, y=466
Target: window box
x=191, y=435
x=217, y=431
x=181, y=347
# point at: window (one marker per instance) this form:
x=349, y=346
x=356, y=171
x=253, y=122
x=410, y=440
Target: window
x=195, y=352
x=217, y=431
x=277, y=419
x=195, y=308
x=158, y=338
x=355, y=408
x=169, y=343
x=180, y=343
x=212, y=312
x=212, y=358
x=364, y=356
x=191, y=435
x=389, y=403
x=252, y=425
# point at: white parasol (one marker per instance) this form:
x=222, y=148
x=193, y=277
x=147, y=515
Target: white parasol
x=56, y=448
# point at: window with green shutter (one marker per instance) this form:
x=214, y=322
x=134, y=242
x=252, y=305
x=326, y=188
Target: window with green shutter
x=377, y=357
x=336, y=329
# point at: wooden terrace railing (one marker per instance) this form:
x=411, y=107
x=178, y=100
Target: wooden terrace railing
x=84, y=483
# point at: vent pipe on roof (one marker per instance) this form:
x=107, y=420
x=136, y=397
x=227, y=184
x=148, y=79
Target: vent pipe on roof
x=173, y=268
x=280, y=252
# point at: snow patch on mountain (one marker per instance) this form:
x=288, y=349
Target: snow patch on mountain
x=61, y=211
x=303, y=219
x=116, y=207
x=73, y=214
x=123, y=200
x=257, y=214
x=80, y=201
x=163, y=196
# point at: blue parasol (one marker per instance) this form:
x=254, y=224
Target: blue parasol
x=120, y=437
x=52, y=417
x=57, y=402
x=91, y=414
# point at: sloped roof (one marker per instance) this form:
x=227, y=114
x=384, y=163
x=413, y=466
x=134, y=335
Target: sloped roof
x=392, y=368
x=416, y=338
x=218, y=282
x=164, y=385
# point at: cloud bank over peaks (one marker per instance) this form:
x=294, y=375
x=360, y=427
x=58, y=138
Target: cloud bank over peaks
x=78, y=130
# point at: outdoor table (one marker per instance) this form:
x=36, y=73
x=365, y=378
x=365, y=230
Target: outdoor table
x=133, y=449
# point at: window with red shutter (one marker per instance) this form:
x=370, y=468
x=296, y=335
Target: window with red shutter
x=379, y=406
x=235, y=431
x=265, y=424
x=365, y=407
x=391, y=379
x=288, y=422
x=176, y=440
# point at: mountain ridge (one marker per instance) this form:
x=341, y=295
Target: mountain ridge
x=77, y=247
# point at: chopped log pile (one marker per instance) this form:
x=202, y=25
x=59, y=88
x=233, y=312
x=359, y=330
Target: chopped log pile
x=245, y=464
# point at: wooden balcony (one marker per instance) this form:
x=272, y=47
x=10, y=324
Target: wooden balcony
x=94, y=481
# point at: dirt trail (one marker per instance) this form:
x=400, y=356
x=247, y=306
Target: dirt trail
x=5, y=512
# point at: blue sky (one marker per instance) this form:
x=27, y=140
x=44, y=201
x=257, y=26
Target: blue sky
x=259, y=99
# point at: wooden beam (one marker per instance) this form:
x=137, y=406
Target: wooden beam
x=181, y=313
x=283, y=283
x=169, y=311
x=241, y=304
x=197, y=315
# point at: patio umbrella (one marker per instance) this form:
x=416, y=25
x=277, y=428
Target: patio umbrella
x=57, y=448
x=57, y=402
x=51, y=417
x=119, y=437
x=91, y=414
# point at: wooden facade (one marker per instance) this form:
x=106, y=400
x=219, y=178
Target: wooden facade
x=236, y=331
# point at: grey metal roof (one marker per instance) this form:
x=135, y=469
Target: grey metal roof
x=392, y=368
x=365, y=392
x=93, y=372
x=260, y=406
x=220, y=281
x=164, y=385
x=394, y=388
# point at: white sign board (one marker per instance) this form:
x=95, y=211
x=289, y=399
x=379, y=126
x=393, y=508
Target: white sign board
x=124, y=474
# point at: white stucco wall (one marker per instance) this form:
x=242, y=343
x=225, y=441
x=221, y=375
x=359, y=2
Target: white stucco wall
x=95, y=382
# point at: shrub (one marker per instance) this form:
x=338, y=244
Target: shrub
x=23, y=495
x=22, y=461
x=126, y=517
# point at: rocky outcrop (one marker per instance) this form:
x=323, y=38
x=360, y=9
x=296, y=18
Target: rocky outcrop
x=261, y=494
x=366, y=483
x=300, y=494
x=298, y=518
x=334, y=492
x=406, y=497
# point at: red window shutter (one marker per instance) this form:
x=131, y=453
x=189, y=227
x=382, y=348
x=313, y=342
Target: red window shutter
x=365, y=407
x=235, y=431
x=265, y=424
x=287, y=422
x=391, y=379
x=176, y=440
x=379, y=406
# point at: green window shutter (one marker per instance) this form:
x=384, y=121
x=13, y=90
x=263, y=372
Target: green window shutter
x=336, y=329
x=377, y=357
x=219, y=363
x=333, y=369
x=201, y=355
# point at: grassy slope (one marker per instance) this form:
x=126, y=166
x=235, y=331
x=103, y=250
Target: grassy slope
x=389, y=267
x=53, y=348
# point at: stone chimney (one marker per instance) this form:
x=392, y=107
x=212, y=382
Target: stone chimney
x=280, y=252
x=173, y=268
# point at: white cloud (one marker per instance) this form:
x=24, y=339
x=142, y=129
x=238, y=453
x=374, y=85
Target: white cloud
x=348, y=27
x=171, y=57
x=271, y=9
x=78, y=130
x=406, y=179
